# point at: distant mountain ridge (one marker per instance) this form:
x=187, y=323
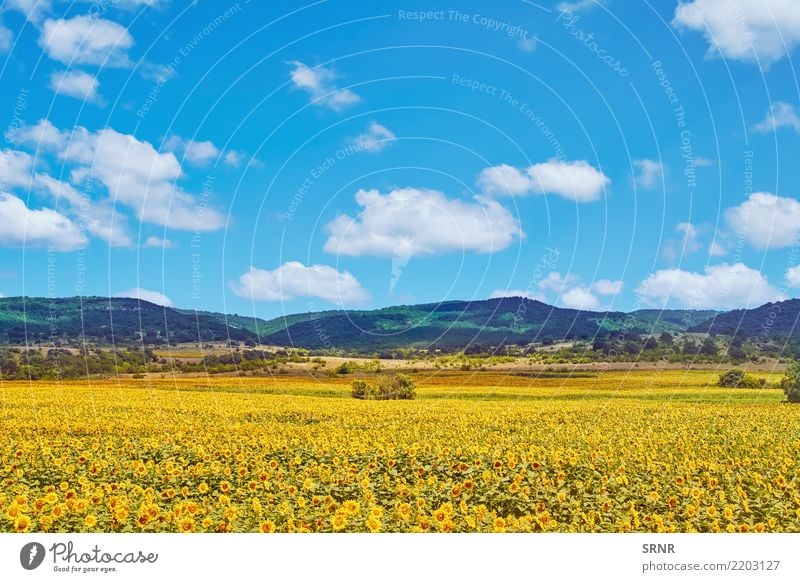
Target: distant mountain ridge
x=450, y=324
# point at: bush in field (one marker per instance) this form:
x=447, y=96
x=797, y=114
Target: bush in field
x=397, y=387
x=360, y=389
x=791, y=382
x=736, y=378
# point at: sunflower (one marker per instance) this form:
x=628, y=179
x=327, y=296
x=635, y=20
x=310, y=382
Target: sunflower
x=22, y=523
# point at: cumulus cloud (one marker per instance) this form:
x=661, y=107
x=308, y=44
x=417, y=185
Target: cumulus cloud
x=761, y=31
x=578, y=5
x=607, y=287
x=233, y=159
x=200, y=153
x=85, y=40
x=576, y=180
x=294, y=279
x=580, y=298
x=76, y=84
x=15, y=168
x=766, y=221
x=97, y=218
x=687, y=244
x=133, y=172
x=375, y=138
x=158, y=242
x=145, y=295
x=780, y=115
x=6, y=38
x=412, y=221
x=23, y=226
x=720, y=286
x=717, y=249
x=318, y=82
x=649, y=173
x=793, y=277
x=34, y=10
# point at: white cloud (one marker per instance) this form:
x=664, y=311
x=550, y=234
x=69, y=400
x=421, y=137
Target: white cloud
x=650, y=173
x=98, y=218
x=411, y=221
x=780, y=115
x=717, y=249
x=576, y=180
x=702, y=162
x=23, y=226
x=15, y=168
x=200, y=153
x=607, y=287
x=793, y=277
x=746, y=30
x=571, y=293
x=720, y=286
x=577, y=6
x=134, y=173
x=375, y=138
x=6, y=38
x=501, y=293
x=766, y=221
x=681, y=247
x=84, y=40
x=76, y=84
x=145, y=295
x=580, y=298
x=158, y=242
x=557, y=283
x=527, y=44
x=33, y=10
x=293, y=279
x=233, y=159
x=319, y=83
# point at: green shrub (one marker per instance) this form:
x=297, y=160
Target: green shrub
x=737, y=378
x=360, y=389
x=397, y=387
x=791, y=382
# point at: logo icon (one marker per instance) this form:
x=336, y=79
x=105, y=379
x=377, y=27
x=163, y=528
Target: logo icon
x=31, y=555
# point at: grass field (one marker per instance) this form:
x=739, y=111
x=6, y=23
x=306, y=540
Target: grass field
x=614, y=451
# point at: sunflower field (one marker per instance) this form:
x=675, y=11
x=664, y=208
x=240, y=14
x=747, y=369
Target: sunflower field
x=657, y=451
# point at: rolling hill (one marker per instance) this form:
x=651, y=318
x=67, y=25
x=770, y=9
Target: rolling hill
x=450, y=324
x=770, y=321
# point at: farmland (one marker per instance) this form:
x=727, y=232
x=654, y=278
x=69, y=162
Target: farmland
x=655, y=450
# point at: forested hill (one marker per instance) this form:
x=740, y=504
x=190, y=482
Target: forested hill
x=450, y=324
x=510, y=320
x=772, y=321
x=107, y=320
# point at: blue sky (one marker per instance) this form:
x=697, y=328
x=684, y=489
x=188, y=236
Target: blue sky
x=269, y=158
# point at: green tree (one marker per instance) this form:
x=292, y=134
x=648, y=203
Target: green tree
x=791, y=382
